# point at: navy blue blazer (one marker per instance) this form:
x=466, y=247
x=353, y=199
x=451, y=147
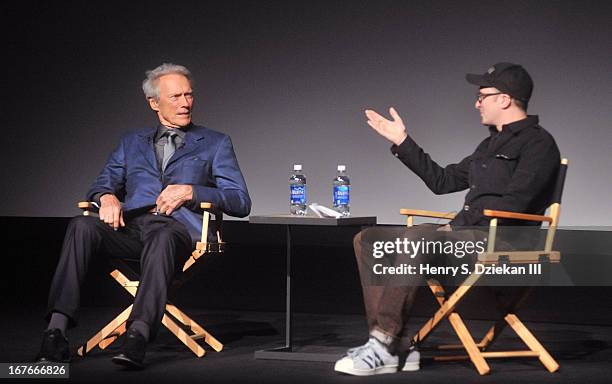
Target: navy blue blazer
x=206, y=161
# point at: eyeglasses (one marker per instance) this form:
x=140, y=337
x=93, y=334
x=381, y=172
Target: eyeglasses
x=481, y=96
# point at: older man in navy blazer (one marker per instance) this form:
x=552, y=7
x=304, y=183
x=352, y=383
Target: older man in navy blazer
x=149, y=193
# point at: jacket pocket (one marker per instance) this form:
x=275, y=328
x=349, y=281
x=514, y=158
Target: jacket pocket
x=195, y=170
x=506, y=162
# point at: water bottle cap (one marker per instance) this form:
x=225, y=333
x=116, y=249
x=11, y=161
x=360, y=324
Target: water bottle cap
x=341, y=168
x=297, y=167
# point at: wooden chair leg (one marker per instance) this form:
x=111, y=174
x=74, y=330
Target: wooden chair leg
x=446, y=308
x=482, y=345
x=114, y=336
x=105, y=332
x=489, y=336
x=474, y=352
x=183, y=336
x=132, y=288
x=199, y=332
x=501, y=324
x=468, y=342
x=533, y=344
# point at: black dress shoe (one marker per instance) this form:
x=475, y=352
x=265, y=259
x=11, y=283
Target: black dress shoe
x=54, y=347
x=132, y=352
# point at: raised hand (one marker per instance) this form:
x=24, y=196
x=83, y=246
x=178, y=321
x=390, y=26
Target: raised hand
x=393, y=130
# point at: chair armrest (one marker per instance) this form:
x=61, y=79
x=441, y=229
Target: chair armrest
x=423, y=213
x=209, y=208
x=516, y=215
x=203, y=246
x=88, y=207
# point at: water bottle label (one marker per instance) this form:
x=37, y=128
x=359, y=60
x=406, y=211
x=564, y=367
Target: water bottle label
x=341, y=195
x=298, y=194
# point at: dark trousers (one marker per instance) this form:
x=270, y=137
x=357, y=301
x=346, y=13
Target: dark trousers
x=160, y=243
x=388, y=306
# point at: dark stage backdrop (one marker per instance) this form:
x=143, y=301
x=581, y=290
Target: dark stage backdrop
x=289, y=81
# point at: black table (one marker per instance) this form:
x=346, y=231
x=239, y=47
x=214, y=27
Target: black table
x=287, y=352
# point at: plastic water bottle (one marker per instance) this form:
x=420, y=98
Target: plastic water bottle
x=297, y=191
x=342, y=192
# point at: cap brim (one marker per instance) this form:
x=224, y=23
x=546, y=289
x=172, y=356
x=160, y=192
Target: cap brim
x=479, y=80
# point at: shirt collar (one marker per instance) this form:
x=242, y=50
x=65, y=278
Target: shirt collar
x=162, y=129
x=517, y=126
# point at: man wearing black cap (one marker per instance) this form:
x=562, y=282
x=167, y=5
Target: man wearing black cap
x=513, y=169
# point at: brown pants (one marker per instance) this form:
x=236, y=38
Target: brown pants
x=388, y=306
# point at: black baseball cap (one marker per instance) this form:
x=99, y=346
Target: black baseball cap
x=508, y=78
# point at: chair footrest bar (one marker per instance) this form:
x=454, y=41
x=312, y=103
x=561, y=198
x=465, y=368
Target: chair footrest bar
x=489, y=355
x=446, y=347
x=492, y=355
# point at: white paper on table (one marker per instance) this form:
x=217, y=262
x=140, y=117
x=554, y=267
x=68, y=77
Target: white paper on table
x=323, y=211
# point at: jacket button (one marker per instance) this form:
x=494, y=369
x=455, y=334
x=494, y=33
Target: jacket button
x=473, y=187
x=484, y=165
x=466, y=207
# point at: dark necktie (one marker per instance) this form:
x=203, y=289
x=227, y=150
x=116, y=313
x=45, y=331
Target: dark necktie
x=169, y=149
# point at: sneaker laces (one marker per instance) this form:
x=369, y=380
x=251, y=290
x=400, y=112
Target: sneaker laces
x=373, y=354
x=355, y=351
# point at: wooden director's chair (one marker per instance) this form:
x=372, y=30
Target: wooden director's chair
x=477, y=352
x=189, y=331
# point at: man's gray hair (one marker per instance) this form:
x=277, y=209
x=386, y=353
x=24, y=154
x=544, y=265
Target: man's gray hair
x=150, y=85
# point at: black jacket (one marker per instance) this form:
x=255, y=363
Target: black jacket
x=514, y=170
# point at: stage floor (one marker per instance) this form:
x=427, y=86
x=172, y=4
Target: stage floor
x=584, y=352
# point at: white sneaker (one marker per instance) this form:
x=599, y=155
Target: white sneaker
x=413, y=360
x=372, y=358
